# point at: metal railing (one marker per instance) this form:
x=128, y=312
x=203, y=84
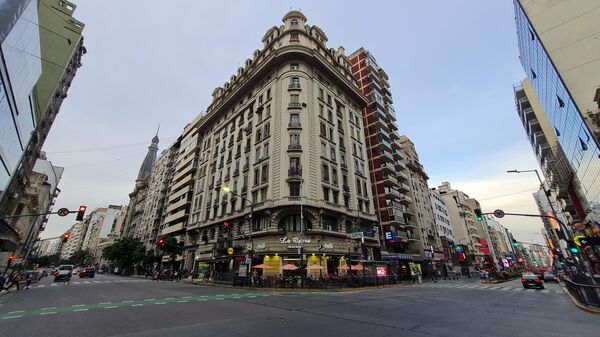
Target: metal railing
x=588, y=295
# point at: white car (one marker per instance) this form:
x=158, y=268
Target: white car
x=64, y=272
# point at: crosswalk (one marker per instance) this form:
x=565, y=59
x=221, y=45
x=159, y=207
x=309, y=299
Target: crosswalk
x=82, y=282
x=489, y=287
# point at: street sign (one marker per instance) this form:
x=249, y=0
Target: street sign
x=63, y=211
x=499, y=213
x=586, y=241
x=229, y=250
x=355, y=236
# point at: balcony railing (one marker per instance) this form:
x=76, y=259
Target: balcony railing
x=294, y=105
x=294, y=171
x=294, y=147
x=294, y=86
x=294, y=125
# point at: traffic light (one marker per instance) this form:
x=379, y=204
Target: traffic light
x=515, y=243
x=574, y=250
x=478, y=214
x=80, y=213
x=225, y=227
x=161, y=241
x=10, y=259
x=66, y=237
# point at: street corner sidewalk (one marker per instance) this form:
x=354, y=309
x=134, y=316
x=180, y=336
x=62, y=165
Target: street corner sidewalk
x=288, y=290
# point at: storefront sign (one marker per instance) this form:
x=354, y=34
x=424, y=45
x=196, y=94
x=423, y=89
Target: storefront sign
x=324, y=245
x=439, y=256
x=382, y=271
x=295, y=239
x=243, y=269
x=260, y=246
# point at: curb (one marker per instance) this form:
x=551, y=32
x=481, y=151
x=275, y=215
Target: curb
x=299, y=290
x=581, y=306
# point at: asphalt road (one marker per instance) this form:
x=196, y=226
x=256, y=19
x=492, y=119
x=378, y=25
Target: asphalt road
x=118, y=306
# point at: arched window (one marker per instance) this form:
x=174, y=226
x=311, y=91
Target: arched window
x=291, y=223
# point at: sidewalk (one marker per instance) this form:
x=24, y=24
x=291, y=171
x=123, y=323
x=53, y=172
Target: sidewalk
x=303, y=290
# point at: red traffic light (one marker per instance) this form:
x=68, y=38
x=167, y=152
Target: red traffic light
x=161, y=241
x=225, y=224
x=80, y=213
x=66, y=237
x=10, y=259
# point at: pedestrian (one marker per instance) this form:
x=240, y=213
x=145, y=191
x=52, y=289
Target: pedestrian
x=15, y=279
x=175, y=276
x=28, y=279
x=2, y=281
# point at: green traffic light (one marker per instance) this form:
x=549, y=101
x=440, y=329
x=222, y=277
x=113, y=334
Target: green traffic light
x=574, y=250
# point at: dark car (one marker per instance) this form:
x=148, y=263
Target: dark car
x=87, y=272
x=549, y=277
x=531, y=280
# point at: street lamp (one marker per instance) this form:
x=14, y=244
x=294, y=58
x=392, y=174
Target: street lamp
x=228, y=190
x=547, y=194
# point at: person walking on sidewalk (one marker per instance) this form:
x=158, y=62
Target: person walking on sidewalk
x=15, y=279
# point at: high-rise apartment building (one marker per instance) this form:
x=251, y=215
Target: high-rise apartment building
x=42, y=46
x=76, y=233
x=443, y=229
x=388, y=171
x=558, y=47
x=285, y=135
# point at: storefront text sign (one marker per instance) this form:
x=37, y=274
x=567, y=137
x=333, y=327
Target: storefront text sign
x=260, y=246
x=285, y=240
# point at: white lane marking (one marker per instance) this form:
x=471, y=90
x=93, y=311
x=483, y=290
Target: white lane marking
x=76, y=282
x=169, y=298
x=187, y=297
x=127, y=301
x=9, y=317
x=41, y=286
x=137, y=305
x=78, y=305
x=48, y=313
x=545, y=290
x=87, y=282
x=107, y=281
x=53, y=285
x=110, y=307
x=15, y=312
x=183, y=301
x=236, y=297
x=97, y=281
x=150, y=299
x=48, y=308
x=252, y=296
x=102, y=303
x=160, y=303
x=84, y=309
x=202, y=299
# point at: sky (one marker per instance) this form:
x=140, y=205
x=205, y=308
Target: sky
x=451, y=64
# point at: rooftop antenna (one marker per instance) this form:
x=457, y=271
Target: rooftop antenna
x=158, y=129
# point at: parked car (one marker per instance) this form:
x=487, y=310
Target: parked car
x=35, y=276
x=549, y=277
x=54, y=272
x=531, y=280
x=87, y=272
x=64, y=272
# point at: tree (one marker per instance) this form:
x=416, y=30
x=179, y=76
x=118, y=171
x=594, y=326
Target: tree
x=125, y=252
x=171, y=247
x=80, y=258
x=45, y=261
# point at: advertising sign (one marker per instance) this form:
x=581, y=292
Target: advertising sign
x=382, y=271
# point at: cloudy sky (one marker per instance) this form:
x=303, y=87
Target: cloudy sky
x=451, y=65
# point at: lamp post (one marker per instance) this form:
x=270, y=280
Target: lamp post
x=232, y=192
x=563, y=231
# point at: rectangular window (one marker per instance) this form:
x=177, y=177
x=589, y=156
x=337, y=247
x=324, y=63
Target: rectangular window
x=336, y=196
x=258, y=117
x=254, y=196
x=331, y=134
x=258, y=157
x=295, y=82
x=267, y=130
x=334, y=177
x=256, y=177
x=347, y=201
x=325, y=194
x=265, y=173
x=325, y=172
x=323, y=149
x=321, y=93
x=263, y=194
x=266, y=150
x=330, y=116
x=294, y=66
x=269, y=94
x=268, y=111
x=294, y=162
x=323, y=130
x=329, y=99
x=294, y=99
x=295, y=189
x=321, y=109
x=295, y=119
x=332, y=153
x=358, y=187
x=260, y=99
x=295, y=139
x=343, y=159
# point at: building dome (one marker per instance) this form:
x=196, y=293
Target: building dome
x=294, y=14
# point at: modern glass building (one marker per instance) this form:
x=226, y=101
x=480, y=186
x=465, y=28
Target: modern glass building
x=574, y=137
x=20, y=70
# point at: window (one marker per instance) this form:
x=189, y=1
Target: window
x=258, y=135
x=295, y=139
x=265, y=173
x=258, y=157
x=330, y=223
x=343, y=159
x=560, y=102
x=365, y=188
x=256, y=177
x=358, y=187
x=254, y=197
x=294, y=99
x=325, y=172
x=331, y=134
x=329, y=99
x=294, y=37
x=323, y=149
x=347, y=201
x=341, y=141
x=294, y=162
x=294, y=189
x=267, y=130
x=321, y=109
x=325, y=193
x=294, y=23
x=329, y=115
x=266, y=150
x=295, y=82
x=263, y=194
x=323, y=130
x=345, y=180
x=291, y=223
x=294, y=118
x=336, y=197
x=259, y=117
x=294, y=66
x=334, y=178
x=260, y=99
x=269, y=94
x=332, y=153
x=321, y=93
x=268, y=111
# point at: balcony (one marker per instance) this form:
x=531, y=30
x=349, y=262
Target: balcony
x=294, y=147
x=386, y=156
x=412, y=236
x=395, y=220
x=405, y=199
x=400, y=165
x=346, y=189
x=389, y=180
x=175, y=216
x=294, y=105
x=403, y=188
x=295, y=172
x=410, y=223
x=294, y=86
x=172, y=229
x=391, y=193
x=295, y=125
x=401, y=176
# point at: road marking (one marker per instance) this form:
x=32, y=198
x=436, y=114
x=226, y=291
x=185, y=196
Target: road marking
x=202, y=299
x=150, y=299
x=78, y=305
x=160, y=303
x=187, y=297
x=137, y=305
x=9, y=317
x=48, y=308
x=252, y=296
x=127, y=301
x=16, y=312
x=111, y=307
x=53, y=285
x=168, y=298
x=87, y=282
x=84, y=309
x=545, y=290
x=236, y=297
x=41, y=286
x=48, y=313
x=97, y=281
x=102, y=303
x=183, y=301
